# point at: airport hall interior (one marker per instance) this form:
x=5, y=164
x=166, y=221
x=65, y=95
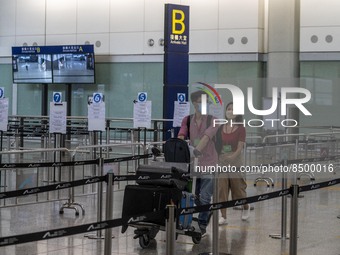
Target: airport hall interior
x=176, y=127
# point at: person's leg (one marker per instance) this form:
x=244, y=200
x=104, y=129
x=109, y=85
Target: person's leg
x=238, y=188
x=223, y=193
x=205, y=198
x=197, y=191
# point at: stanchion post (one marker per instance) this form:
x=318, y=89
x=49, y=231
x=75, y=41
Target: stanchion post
x=283, y=234
x=100, y=196
x=284, y=206
x=1, y=132
x=109, y=211
x=99, y=201
x=215, y=248
x=215, y=227
x=294, y=220
x=70, y=204
x=107, y=138
x=170, y=230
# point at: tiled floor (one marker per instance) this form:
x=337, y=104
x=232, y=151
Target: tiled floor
x=318, y=229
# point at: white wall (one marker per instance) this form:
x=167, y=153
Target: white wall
x=119, y=27
x=320, y=26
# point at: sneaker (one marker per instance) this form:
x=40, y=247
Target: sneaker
x=203, y=233
x=245, y=213
x=222, y=221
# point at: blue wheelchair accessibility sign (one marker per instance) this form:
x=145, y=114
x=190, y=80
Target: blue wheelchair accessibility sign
x=181, y=97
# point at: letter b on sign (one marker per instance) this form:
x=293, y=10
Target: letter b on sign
x=178, y=26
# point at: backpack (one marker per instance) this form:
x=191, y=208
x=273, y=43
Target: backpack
x=217, y=139
x=176, y=150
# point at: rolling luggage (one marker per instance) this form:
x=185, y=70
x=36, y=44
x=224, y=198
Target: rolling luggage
x=139, y=199
x=154, y=195
x=165, y=168
x=186, y=201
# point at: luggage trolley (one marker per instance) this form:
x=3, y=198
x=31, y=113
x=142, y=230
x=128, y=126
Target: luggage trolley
x=153, y=195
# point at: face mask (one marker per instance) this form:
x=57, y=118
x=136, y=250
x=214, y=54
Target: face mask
x=230, y=115
x=199, y=108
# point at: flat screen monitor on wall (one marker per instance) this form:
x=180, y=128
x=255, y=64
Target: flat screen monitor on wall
x=53, y=64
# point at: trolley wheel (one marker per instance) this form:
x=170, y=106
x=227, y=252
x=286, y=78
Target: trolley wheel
x=61, y=212
x=144, y=241
x=197, y=239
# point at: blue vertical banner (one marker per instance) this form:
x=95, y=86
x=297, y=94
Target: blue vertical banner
x=176, y=28
x=176, y=58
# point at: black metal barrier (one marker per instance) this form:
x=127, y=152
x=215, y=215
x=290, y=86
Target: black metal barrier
x=292, y=142
x=100, y=225
x=73, y=163
x=95, y=179
x=95, y=226
x=85, y=228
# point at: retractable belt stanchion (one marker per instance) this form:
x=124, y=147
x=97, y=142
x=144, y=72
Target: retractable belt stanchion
x=94, y=154
x=1, y=139
x=170, y=227
x=109, y=211
x=294, y=220
x=70, y=204
x=283, y=234
x=1, y=132
x=99, y=202
x=215, y=247
x=215, y=227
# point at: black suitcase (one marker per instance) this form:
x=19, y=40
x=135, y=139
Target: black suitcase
x=139, y=199
x=179, y=169
x=176, y=150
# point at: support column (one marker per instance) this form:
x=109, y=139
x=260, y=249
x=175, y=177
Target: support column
x=283, y=66
x=176, y=59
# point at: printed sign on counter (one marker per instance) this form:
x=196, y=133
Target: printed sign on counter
x=142, y=114
x=58, y=117
x=3, y=114
x=96, y=115
x=180, y=111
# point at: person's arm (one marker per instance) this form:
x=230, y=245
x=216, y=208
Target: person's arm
x=203, y=142
x=183, y=132
x=238, y=151
x=209, y=133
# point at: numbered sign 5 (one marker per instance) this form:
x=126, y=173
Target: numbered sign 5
x=142, y=97
x=2, y=92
